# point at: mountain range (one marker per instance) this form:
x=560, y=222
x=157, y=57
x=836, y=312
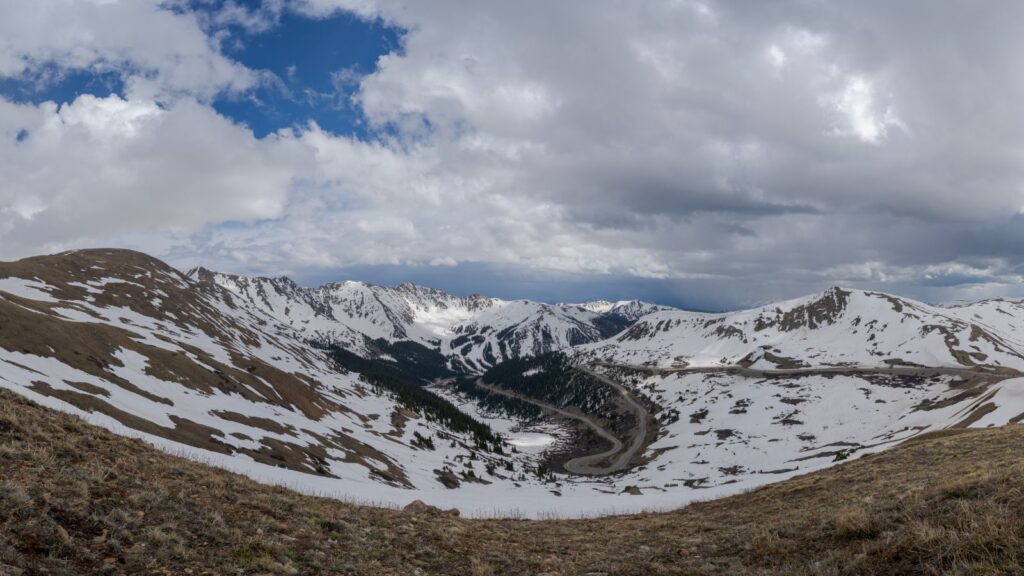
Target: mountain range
x=472, y=332
x=393, y=394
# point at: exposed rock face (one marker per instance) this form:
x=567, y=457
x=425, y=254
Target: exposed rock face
x=822, y=312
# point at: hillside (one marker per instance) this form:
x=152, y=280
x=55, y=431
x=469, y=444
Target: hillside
x=837, y=328
x=365, y=393
x=225, y=370
x=794, y=386
x=142, y=349
x=76, y=499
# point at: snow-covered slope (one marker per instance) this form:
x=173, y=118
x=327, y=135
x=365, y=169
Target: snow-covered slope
x=142, y=349
x=839, y=327
x=473, y=332
x=629, y=310
x=823, y=378
x=220, y=367
x=722, y=431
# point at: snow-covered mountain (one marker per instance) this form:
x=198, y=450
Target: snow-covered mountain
x=224, y=368
x=473, y=332
x=837, y=328
x=136, y=346
x=221, y=367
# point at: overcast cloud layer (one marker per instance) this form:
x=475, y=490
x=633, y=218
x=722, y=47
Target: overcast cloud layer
x=737, y=151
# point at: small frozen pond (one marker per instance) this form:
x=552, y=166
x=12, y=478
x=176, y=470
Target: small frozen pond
x=530, y=442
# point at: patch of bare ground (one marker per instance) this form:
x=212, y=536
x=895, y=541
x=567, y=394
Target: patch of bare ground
x=75, y=499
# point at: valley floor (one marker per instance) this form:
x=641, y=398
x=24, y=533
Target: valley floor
x=614, y=459
x=77, y=499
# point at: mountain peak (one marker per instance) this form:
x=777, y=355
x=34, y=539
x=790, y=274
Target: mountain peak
x=64, y=269
x=201, y=274
x=111, y=256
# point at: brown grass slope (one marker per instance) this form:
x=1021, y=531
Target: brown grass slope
x=75, y=499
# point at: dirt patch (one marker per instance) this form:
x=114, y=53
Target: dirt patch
x=88, y=388
x=185, y=431
x=255, y=422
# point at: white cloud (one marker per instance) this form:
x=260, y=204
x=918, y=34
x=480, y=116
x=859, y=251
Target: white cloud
x=98, y=167
x=26, y=206
x=857, y=103
x=107, y=120
x=158, y=52
x=324, y=8
x=776, y=56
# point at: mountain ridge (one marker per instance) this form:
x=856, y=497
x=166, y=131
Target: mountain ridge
x=386, y=409
x=857, y=327
x=475, y=331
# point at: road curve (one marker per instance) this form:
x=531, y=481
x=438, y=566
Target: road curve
x=585, y=464
x=590, y=465
x=851, y=370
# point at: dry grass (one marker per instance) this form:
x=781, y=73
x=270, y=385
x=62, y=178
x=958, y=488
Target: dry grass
x=75, y=499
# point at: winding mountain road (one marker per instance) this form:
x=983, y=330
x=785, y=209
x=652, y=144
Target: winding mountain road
x=622, y=457
x=819, y=370
x=620, y=454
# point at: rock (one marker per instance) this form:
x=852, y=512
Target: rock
x=419, y=507
x=447, y=479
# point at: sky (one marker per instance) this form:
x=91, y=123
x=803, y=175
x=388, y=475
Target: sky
x=699, y=153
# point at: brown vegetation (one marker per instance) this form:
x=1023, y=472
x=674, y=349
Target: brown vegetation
x=75, y=499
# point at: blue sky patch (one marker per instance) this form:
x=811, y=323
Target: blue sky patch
x=56, y=85
x=318, y=64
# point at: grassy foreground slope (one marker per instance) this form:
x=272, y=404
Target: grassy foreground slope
x=75, y=499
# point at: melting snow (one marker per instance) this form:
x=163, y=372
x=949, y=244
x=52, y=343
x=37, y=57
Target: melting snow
x=28, y=289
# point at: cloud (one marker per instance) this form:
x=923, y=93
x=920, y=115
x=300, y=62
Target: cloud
x=156, y=51
x=857, y=103
x=740, y=149
x=98, y=167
